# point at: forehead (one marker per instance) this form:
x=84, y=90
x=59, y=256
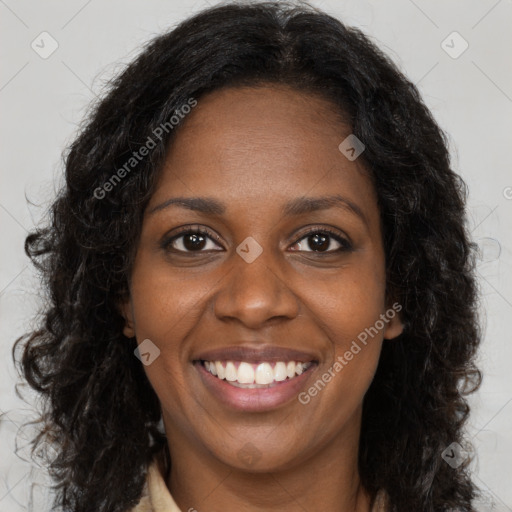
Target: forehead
x=263, y=144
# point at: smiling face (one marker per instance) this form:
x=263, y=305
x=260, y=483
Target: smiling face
x=285, y=255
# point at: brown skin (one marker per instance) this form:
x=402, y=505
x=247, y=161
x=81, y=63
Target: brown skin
x=254, y=149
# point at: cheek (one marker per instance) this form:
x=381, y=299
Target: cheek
x=165, y=309
x=347, y=309
x=350, y=302
x=164, y=301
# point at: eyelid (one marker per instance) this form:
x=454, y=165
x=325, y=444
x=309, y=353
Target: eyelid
x=340, y=237
x=196, y=228
x=188, y=229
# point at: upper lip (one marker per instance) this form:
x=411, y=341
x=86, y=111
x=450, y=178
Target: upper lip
x=270, y=353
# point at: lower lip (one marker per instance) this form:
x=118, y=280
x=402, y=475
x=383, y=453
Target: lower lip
x=256, y=399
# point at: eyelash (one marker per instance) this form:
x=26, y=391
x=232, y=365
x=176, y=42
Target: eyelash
x=187, y=230
x=345, y=244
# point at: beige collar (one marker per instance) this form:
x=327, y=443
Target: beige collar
x=157, y=498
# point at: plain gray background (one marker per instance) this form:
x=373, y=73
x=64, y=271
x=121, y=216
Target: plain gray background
x=470, y=93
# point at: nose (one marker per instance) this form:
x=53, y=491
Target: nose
x=255, y=293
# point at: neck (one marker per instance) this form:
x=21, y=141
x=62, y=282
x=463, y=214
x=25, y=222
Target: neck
x=328, y=480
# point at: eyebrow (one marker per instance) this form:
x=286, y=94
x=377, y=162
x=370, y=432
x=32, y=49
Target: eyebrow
x=298, y=206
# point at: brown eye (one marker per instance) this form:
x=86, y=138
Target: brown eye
x=192, y=240
x=322, y=241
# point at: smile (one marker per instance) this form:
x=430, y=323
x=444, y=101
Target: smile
x=248, y=375
x=254, y=386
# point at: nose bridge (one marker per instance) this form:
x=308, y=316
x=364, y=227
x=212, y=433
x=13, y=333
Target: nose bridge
x=255, y=290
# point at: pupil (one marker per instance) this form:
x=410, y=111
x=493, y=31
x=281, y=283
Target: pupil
x=194, y=241
x=320, y=242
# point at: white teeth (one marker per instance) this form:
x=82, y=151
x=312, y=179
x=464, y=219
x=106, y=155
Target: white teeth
x=253, y=375
x=280, y=372
x=264, y=374
x=221, y=373
x=231, y=373
x=245, y=373
x=290, y=369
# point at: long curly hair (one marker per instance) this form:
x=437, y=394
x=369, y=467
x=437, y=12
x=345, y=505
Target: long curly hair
x=100, y=414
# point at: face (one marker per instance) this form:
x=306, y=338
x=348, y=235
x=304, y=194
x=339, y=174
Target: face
x=261, y=253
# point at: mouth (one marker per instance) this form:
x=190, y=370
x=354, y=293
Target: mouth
x=246, y=375
x=253, y=380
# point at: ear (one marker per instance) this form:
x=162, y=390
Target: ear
x=394, y=325
x=126, y=310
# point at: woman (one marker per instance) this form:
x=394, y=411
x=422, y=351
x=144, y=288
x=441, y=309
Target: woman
x=261, y=286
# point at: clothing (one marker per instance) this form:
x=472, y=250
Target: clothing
x=157, y=498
